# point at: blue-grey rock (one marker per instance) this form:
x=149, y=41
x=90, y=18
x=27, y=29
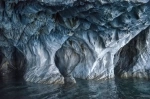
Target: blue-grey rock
x=56, y=41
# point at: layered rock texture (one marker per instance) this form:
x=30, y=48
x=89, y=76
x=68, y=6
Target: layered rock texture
x=52, y=41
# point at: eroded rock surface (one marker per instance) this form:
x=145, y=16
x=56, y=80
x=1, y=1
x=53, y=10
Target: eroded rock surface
x=52, y=41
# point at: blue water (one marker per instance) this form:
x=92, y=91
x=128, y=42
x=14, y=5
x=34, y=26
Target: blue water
x=108, y=89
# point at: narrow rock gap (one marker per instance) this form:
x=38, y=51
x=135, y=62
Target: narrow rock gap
x=126, y=58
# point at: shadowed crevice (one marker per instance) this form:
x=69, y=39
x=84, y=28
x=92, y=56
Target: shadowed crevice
x=127, y=57
x=12, y=63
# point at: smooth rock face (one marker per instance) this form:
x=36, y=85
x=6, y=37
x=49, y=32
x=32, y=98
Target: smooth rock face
x=52, y=41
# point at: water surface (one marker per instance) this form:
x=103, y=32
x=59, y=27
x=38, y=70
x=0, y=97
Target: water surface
x=108, y=89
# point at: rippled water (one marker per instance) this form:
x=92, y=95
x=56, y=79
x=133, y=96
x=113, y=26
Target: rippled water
x=109, y=89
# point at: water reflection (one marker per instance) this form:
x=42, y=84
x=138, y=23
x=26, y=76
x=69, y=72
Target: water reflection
x=133, y=88
x=109, y=89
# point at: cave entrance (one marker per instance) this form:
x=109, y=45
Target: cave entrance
x=19, y=63
x=126, y=58
x=12, y=64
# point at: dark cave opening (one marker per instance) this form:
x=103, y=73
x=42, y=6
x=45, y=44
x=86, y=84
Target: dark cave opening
x=126, y=58
x=20, y=63
x=1, y=57
x=12, y=64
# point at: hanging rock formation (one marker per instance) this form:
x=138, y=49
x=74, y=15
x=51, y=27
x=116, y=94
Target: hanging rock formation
x=52, y=41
